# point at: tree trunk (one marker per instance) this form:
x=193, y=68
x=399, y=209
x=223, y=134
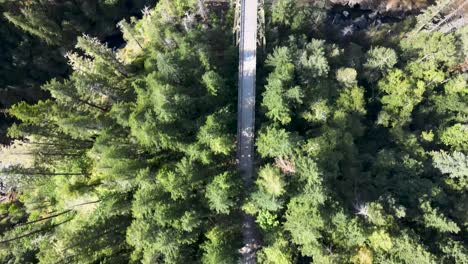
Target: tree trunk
x=44, y=218
x=202, y=9
x=450, y=15
x=33, y=232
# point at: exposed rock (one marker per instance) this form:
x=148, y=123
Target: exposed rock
x=385, y=5
x=348, y=30
x=361, y=22
x=373, y=15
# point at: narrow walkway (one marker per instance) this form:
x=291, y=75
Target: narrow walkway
x=246, y=115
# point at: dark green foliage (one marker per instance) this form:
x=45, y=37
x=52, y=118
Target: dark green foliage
x=36, y=34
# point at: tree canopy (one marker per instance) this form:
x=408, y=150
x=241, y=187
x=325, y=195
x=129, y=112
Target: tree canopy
x=130, y=156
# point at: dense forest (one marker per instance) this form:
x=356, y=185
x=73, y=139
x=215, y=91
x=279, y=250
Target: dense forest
x=36, y=34
x=121, y=138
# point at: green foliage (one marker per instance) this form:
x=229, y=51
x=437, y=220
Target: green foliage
x=312, y=59
x=291, y=14
x=346, y=76
x=381, y=59
x=436, y=47
x=406, y=250
x=456, y=137
x=37, y=33
x=402, y=94
x=220, y=193
x=278, y=253
x=304, y=222
x=12, y=213
x=213, y=133
x=279, y=92
x=220, y=246
x=435, y=11
x=270, y=180
x=346, y=232
x=134, y=150
x=454, y=251
x=266, y=220
x=366, y=119
x=454, y=165
x=276, y=142
x=361, y=151
x=37, y=24
x=380, y=240
x=352, y=100
x=434, y=219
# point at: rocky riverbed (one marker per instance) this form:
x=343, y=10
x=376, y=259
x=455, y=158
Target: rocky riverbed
x=386, y=5
x=349, y=20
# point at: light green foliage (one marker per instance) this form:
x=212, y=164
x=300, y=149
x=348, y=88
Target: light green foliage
x=220, y=193
x=346, y=231
x=312, y=60
x=402, y=94
x=266, y=220
x=317, y=112
x=457, y=84
x=427, y=136
x=454, y=166
x=275, y=97
x=406, y=250
x=175, y=9
x=37, y=24
x=424, y=20
x=213, y=133
x=362, y=256
x=181, y=180
x=380, y=240
x=456, y=137
x=277, y=108
x=463, y=35
x=86, y=237
x=37, y=33
x=351, y=99
x=432, y=218
x=12, y=213
x=381, y=59
x=283, y=12
x=276, y=142
x=303, y=216
x=455, y=251
x=436, y=47
x=260, y=200
x=270, y=180
x=100, y=53
x=308, y=171
x=31, y=113
x=346, y=76
x=304, y=222
x=220, y=246
x=375, y=214
x=114, y=150
x=213, y=82
x=278, y=253
x=365, y=133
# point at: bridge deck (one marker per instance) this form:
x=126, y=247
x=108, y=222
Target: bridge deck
x=246, y=114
